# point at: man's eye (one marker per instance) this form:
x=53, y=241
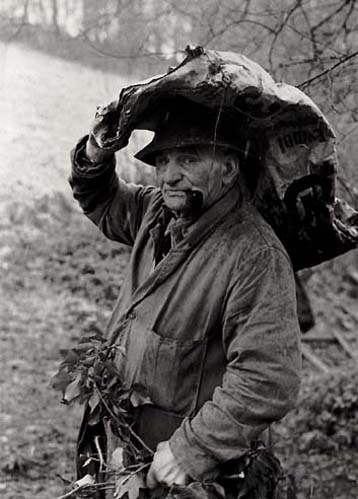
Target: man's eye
x=187, y=160
x=161, y=161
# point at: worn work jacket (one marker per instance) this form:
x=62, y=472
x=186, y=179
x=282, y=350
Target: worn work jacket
x=211, y=332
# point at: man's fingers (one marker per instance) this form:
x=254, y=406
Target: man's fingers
x=152, y=481
x=182, y=479
x=164, y=469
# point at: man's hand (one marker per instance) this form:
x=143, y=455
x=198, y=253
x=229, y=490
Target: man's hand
x=96, y=154
x=105, y=137
x=164, y=469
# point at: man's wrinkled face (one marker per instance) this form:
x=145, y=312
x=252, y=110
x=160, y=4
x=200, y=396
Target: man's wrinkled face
x=193, y=178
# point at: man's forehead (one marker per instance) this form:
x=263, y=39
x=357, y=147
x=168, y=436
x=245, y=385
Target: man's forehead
x=195, y=150
x=187, y=149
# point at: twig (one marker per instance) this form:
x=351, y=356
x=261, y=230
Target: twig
x=129, y=476
x=75, y=491
x=107, y=53
x=115, y=418
x=105, y=485
x=318, y=337
x=346, y=347
x=133, y=433
x=127, y=426
x=346, y=135
x=351, y=191
x=99, y=450
x=330, y=16
x=326, y=71
x=311, y=357
x=336, y=337
x=278, y=31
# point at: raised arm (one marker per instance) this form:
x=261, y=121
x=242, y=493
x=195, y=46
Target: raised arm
x=115, y=206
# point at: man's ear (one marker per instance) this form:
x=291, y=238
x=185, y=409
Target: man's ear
x=230, y=168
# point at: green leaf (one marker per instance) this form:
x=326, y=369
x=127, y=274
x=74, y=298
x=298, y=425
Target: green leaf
x=89, y=360
x=116, y=461
x=73, y=390
x=86, y=480
x=96, y=416
x=215, y=489
x=96, y=336
x=84, y=347
x=97, y=368
x=89, y=461
x=111, y=368
x=131, y=486
x=93, y=401
x=197, y=490
x=71, y=357
x=121, y=350
x=139, y=396
x=61, y=380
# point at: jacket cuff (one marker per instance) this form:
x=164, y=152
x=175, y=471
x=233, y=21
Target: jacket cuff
x=83, y=167
x=190, y=456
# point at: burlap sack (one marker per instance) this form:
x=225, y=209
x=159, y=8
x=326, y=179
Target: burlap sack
x=291, y=154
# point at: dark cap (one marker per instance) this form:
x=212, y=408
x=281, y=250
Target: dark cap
x=186, y=123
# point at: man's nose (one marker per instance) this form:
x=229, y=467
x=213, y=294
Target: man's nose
x=172, y=173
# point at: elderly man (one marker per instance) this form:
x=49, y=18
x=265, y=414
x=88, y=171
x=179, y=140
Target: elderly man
x=207, y=313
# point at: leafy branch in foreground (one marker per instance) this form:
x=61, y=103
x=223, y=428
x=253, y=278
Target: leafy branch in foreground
x=255, y=476
x=91, y=374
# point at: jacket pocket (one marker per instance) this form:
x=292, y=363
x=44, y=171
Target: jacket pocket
x=169, y=370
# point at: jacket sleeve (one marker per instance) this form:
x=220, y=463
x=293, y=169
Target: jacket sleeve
x=261, y=381
x=115, y=206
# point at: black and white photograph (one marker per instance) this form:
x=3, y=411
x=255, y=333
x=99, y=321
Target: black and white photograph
x=178, y=260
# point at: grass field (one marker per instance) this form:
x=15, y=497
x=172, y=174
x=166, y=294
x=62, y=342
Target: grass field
x=46, y=105
x=59, y=277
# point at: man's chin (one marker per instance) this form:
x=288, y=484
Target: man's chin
x=184, y=203
x=176, y=205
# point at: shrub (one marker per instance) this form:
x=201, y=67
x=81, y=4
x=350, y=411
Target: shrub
x=328, y=413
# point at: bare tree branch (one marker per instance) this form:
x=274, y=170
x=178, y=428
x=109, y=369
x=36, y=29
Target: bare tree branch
x=306, y=83
x=330, y=16
x=129, y=56
x=231, y=24
x=278, y=31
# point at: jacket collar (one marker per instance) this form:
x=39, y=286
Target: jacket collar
x=208, y=220
x=194, y=234
x=188, y=232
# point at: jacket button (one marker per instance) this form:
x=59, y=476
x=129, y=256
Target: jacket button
x=132, y=315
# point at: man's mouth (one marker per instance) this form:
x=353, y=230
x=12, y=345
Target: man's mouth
x=175, y=192
x=192, y=198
